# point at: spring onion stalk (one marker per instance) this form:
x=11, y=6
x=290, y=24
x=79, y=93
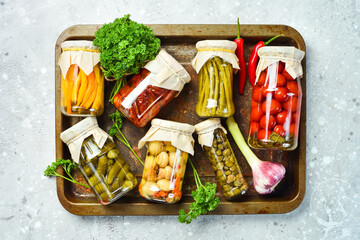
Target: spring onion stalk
x=266, y=175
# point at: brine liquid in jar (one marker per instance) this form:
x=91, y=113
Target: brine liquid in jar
x=164, y=172
x=139, y=101
x=275, y=109
x=215, y=89
x=105, y=170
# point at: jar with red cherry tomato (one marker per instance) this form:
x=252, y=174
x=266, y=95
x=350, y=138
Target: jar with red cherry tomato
x=276, y=99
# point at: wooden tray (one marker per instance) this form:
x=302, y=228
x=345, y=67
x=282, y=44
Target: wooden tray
x=179, y=41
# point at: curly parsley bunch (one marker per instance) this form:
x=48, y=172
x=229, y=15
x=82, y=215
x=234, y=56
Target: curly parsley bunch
x=125, y=46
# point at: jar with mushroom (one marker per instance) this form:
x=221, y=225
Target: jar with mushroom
x=165, y=163
x=212, y=137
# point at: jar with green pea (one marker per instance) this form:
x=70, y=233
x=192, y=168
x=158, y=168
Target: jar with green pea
x=212, y=137
x=99, y=160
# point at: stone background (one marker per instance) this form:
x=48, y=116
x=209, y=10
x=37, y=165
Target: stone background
x=29, y=208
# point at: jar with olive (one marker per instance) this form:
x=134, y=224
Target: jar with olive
x=276, y=99
x=212, y=137
x=215, y=64
x=99, y=160
x=169, y=144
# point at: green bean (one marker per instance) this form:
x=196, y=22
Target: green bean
x=216, y=94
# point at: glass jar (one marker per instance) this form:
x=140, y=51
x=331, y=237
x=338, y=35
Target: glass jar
x=101, y=163
x=169, y=144
x=82, y=81
x=212, y=136
x=276, y=102
x=105, y=170
x=164, y=172
x=142, y=98
x=214, y=64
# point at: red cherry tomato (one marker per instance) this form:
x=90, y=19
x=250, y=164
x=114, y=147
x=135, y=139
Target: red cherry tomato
x=279, y=129
x=291, y=104
x=280, y=80
x=265, y=91
x=293, y=87
x=254, y=104
x=287, y=75
x=268, y=122
x=256, y=113
x=281, y=67
x=254, y=127
x=271, y=105
x=257, y=94
x=263, y=134
x=281, y=94
x=262, y=79
x=292, y=129
x=282, y=116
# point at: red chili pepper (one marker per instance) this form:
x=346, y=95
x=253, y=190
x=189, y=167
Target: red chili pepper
x=254, y=57
x=240, y=54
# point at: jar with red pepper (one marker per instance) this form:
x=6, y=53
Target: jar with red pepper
x=276, y=99
x=142, y=98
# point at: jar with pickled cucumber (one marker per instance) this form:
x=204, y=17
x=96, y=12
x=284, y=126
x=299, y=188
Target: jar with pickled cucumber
x=215, y=64
x=82, y=80
x=212, y=137
x=276, y=99
x=99, y=160
x=165, y=161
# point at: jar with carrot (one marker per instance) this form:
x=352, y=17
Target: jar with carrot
x=82, y=81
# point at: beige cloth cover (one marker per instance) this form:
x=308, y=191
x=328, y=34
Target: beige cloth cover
x=75, y=135
x=167, y=72
x=179, y=134
x=86, y=59
x=291, y=56
x=205, y=131
x=207, y=49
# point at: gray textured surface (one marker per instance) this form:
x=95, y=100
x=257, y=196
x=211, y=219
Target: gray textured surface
x=29, y=208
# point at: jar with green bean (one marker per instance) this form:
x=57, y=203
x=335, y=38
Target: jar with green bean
x=212, y=136
x=215, y=64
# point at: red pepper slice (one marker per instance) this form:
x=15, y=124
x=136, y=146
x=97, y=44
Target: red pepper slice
x=240, y=54
x=254, y=58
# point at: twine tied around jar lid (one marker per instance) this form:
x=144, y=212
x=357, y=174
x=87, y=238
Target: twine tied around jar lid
x=75, y=136
x=205, y=131
x=291, y=56
x=179, y=134
x=208, y=49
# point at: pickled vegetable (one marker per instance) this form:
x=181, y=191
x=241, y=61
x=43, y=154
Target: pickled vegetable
x=215, y=89
x=105, y=170
x=277, y=100
x=163, y=173
x=226, y=167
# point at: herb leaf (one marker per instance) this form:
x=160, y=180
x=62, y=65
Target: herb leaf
x=67, y=165
x=205, y=200
x=125, y=46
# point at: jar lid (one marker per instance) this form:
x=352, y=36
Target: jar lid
x=75, y=135
x=179, y=134
x=208, y=49
x=167, y=73
x=205, y=131
x=82, y=53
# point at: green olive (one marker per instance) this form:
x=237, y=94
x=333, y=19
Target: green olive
x=237, y=183
x=219, y=173
x=236, y=191
x=227, y=173
x=227, y=152
x=218, y=152
x=226, y=188
x=229, y=164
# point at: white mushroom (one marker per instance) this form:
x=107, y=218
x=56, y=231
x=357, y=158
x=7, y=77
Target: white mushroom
x=165, y=173
x=149, y=188
x=164, y=184
x=162, y=159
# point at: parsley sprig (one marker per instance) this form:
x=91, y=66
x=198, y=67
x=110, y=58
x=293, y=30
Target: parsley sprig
x=205, y=199
x=116, y=118
x=67, y=165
